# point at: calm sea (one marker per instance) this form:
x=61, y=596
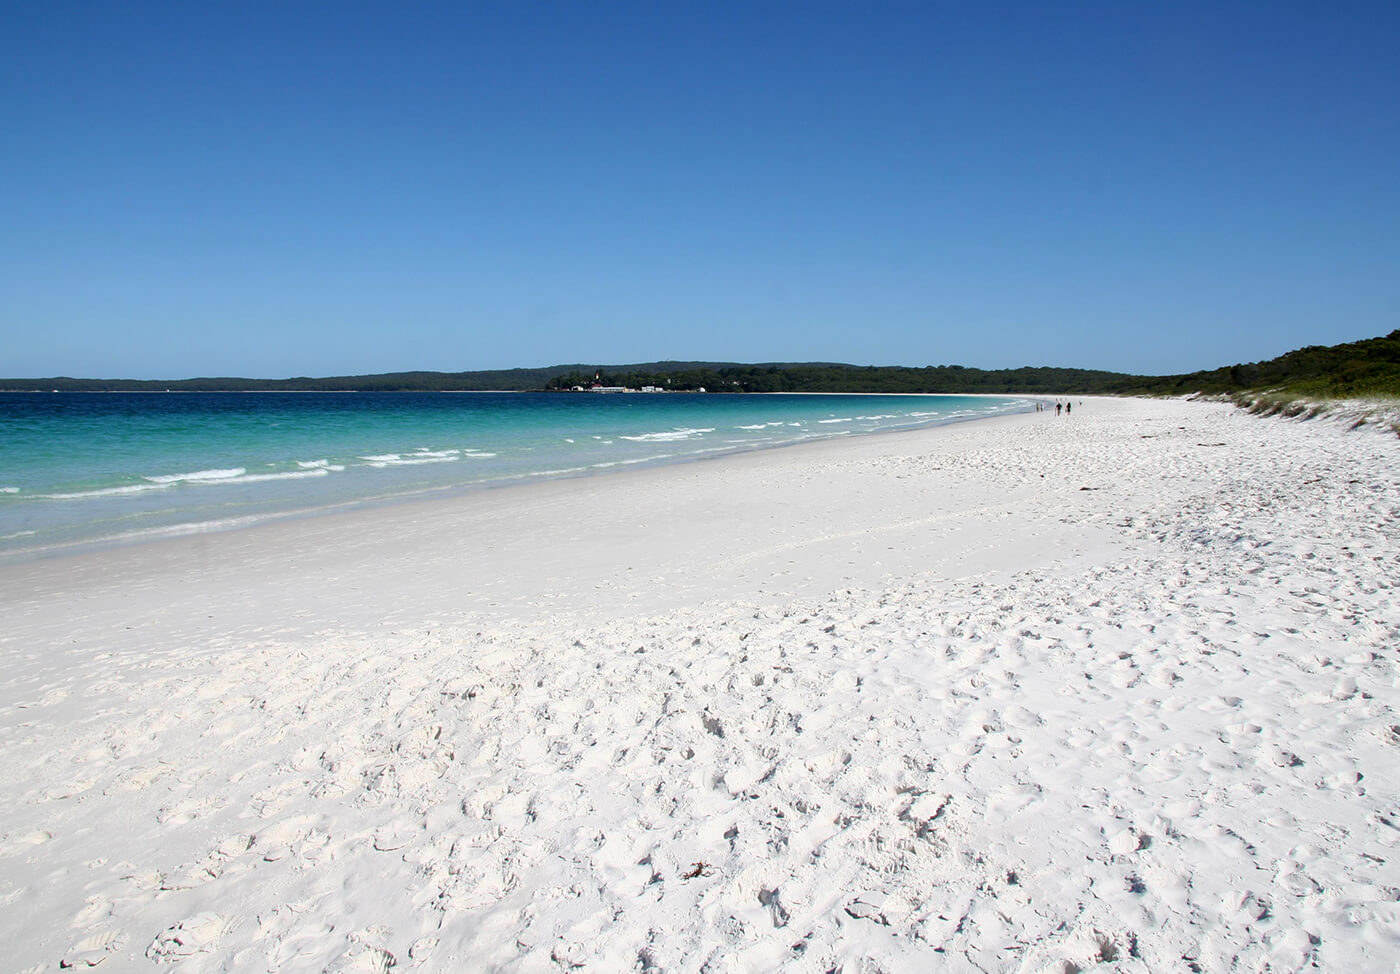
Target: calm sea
x=79, y=469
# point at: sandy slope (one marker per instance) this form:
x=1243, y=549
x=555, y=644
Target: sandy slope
x=1107, y=693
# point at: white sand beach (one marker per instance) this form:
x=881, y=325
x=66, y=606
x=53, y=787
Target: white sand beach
x=1112, y=692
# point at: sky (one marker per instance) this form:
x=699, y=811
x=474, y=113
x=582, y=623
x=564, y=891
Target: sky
x=292, y=188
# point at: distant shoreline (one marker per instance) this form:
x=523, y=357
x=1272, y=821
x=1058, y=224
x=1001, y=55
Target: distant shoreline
x=1363, y=368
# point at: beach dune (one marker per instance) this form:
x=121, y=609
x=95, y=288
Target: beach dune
x=1111, y=691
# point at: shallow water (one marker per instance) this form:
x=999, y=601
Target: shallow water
x=85, y=468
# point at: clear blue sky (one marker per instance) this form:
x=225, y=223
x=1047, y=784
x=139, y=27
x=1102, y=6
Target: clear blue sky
x=276, y=189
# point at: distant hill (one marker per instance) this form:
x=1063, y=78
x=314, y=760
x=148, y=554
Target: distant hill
x=495, y=380
x=1365, y=368
x=830, y=377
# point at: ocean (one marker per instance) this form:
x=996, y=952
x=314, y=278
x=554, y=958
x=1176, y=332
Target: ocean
x=92, y=469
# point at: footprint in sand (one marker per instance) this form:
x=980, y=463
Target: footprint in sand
x=92, y=949
x=362, y=959
x=925, y=808
x=1292, y=950
x=97, y=908
x=366, y=953
x=421, y=948
x=274, y=799
x=291, y=952
x=233, y=846
x=1125, y=842
x=396, y=835
x=184, y=812
x=19, y=843
x=138, y=779
x=192, y=876
x=198, y=934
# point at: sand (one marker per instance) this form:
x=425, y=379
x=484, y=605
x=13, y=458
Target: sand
x=1108, y=692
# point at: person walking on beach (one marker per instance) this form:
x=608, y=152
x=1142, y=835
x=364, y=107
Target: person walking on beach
x=1057, y=408
x=1067, y=405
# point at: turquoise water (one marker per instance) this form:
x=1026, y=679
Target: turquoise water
x=80, y=469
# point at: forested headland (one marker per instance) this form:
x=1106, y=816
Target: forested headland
x=1365, y=368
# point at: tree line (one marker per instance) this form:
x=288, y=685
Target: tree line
x=1365, y=368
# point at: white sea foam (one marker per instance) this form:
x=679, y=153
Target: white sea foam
x=199, y=475
x=255, y=478
x=846, y=419
x=416, y=459
x=172, y=530
x=556, y=473
x=411, y=459
x=203, y=478
x=634, y=460
x=108, y=491
x=320, y=465
x=669, y=436
x=17, y=534
x=9, y=490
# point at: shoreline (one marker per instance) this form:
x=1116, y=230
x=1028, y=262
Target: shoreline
x=1032, y=693
x=412, y=537
x=65, y=549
